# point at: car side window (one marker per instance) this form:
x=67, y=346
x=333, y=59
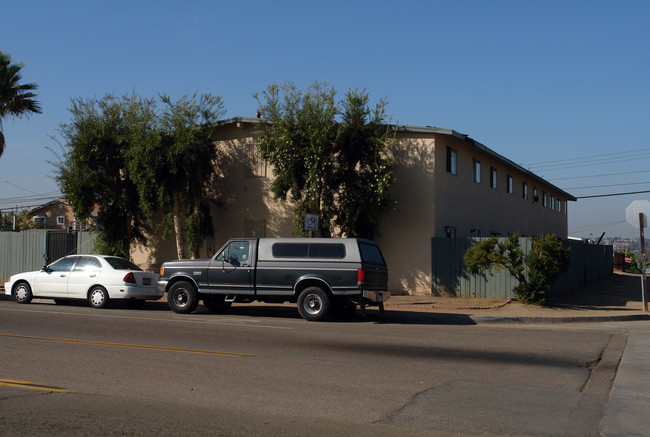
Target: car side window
x=63, y=265
x=236, y=253
x=87, y=263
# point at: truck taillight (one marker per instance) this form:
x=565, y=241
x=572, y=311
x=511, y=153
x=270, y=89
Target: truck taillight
x=129, y=278
x=360, y=277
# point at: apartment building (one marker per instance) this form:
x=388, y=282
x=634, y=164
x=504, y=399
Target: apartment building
x=447, y=185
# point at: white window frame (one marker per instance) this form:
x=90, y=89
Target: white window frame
x=452, y=160
x=493, y=177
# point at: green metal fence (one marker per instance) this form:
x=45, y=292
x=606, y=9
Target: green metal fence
x=588, y=262
x=25, y=250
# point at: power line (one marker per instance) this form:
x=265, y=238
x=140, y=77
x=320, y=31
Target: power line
x=612, y=195
x=533, y=164
x=593, y=163
x=596, y=226
x=604, y=186
x=600, y=175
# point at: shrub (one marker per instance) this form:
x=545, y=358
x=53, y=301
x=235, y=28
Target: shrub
x=535, y=272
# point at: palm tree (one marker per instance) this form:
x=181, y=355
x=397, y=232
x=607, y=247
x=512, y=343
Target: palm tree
x=16, y=100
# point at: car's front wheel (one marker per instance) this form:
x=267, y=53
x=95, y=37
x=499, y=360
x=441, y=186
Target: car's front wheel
x=23, y=293
x=182, y=297
x=98, y=297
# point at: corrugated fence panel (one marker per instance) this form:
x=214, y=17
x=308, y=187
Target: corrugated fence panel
x=21, y=251
x=449, y=276
x=86, y=242
x=24, y=251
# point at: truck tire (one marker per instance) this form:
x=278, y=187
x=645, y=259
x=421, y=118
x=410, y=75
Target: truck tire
x=182, y=297
x=216, y=303
x=314, y=304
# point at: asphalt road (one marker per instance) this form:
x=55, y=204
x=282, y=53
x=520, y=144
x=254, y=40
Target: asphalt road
x=262, y=370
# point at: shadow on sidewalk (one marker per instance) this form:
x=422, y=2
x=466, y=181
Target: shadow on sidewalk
x=621, y=291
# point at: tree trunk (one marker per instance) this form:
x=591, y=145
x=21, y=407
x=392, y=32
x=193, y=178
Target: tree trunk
x=196, y=244
x=178, y=228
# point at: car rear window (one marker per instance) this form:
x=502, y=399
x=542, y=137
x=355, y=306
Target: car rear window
x=122, y=264
x=370, y=253
x=308, y=250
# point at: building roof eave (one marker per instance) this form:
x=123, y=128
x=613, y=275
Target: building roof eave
x=439, y=131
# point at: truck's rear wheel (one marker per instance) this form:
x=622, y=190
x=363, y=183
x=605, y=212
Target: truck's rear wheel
x=314, y=304
x=182, y=297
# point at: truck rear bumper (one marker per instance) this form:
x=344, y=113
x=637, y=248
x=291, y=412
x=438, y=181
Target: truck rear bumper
x=376, y=296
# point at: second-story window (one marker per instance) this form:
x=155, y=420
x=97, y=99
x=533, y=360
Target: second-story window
x=509, y=184
x=524, y=190
x=476, y=171
x=493, y=177
x=452, y=160
x=544, y=204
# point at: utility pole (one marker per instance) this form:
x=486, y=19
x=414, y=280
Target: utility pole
x=644, y=282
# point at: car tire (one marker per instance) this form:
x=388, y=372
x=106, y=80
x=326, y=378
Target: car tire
x=23, y=293
x=98, y=297
x=135, y=304
x=216, y=303
x=182, y=297
x=314, y=304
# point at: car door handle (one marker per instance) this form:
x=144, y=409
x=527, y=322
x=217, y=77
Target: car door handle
x=63, y=275
x=92, y=276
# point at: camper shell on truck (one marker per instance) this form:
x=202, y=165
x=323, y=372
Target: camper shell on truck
x=321, y=275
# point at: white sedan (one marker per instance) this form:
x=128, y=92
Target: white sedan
x=97, y=278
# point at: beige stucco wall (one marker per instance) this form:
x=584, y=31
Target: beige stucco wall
x=468, y=206
x=405, y=235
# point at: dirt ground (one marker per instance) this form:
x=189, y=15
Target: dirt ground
x=614, y=297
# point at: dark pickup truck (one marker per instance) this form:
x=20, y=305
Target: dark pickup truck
x=321, y=275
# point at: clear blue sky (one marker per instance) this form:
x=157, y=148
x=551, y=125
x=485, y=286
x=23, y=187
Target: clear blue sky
x=536, y=81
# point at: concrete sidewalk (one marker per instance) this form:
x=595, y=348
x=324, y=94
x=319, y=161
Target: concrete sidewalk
x=610, y=299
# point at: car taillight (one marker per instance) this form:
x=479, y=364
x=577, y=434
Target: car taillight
x=130, y=277
x=360, y=277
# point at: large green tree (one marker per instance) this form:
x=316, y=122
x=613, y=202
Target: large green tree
x=16, y=99
x=365, y=170
x=174, y=174
x=94, y=174
x=329, y=158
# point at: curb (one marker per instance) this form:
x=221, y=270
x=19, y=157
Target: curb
x=588, y=319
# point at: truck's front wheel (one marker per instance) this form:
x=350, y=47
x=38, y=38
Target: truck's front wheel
x=182, y=297
x=314, y=304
